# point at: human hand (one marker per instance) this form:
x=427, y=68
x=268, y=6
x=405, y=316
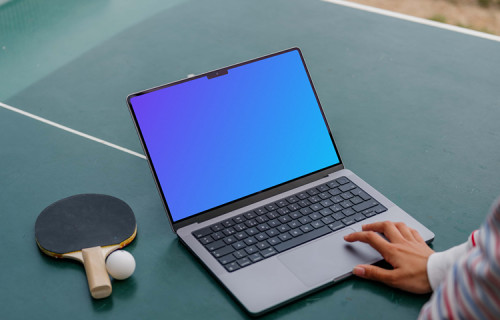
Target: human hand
x=407, y=252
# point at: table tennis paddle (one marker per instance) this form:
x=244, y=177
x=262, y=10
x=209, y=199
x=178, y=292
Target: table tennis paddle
x=86, y=228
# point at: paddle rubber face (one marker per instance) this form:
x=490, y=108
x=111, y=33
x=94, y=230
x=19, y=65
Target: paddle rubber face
x=84, y=221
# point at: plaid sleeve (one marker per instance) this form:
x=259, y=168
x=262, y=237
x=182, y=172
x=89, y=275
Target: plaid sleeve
x=471, y=289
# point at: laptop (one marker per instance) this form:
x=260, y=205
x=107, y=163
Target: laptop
x=253, y=183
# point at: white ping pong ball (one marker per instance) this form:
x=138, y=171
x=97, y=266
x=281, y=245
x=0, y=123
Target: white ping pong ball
x=120, y=264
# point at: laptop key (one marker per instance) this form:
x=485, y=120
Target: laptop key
x=315, y=199
x=359, y=217
x=283, y=228
x=255, y=257
x=306, y=228
x=326, y=212
x=239, y=254
x=342, y=180
x=338, y=216
x=244, y=262
x=285, y=236
x=263, y=227
x=316, y=207
x=266, y=253
x=304, y=203
x=306, y=211
x=294, y=224
x=292, y=199
x=272, y=232
x=312, y=191
x=226, y=259
x=295, y=215
x=346, y=195
x=323, y=188
x=251, y=249
x=346, y=204
x=324, y=195
x=316, y=233
x=284, y=219
x=348, y=212
x=250, y=215
x=365, y=205
x=239, y=245
x=215, y=245
x=315, y=216
x=228, y=223
x=356, y=200
x=347, y=187
x=369, y=213
x=217, y=227
x=318, y=224
x=271, y=207
x=337, y=199
x=239, y=219
x=332, y=184
x=230, y=240
x=363, y=195
x=380, y=208
x=281, y=203
x=206, y=240
x=302, y=195
x=260, y=211
x=250, y=240
x=252, y=231
x=283, y=211
x=328, y=220
x=296, y=232
x=262, y=245
x=273, y=241
x=337, y=225
x=251, y=223
x=202, y=232
x=273, y=215
x=233, y=266
x=222, y=251
x=336, y=208
x=262, y=219
x=305, y=220
x=218, y=235
x=274, y=223
x=229, y=231
x=348, y=221
x=261, y=236
x=334, y=192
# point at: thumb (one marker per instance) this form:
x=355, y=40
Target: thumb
x=373, y=273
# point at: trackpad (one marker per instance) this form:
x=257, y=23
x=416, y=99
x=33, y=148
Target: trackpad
x=328, y=258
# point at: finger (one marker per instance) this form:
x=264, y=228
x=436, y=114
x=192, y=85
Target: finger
x=404, y=230
x=375, y=273
x=387, y=228
x=372, y=238
x=417, y=235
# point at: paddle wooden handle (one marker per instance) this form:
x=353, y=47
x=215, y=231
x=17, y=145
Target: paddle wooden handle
x=97, y=275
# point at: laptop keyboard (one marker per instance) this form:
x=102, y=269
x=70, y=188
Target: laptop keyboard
x=284, y=224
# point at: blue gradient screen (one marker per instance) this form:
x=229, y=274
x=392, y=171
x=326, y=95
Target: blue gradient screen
x=213, y=141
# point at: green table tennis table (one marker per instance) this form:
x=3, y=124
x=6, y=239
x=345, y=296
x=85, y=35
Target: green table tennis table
x=414, y=109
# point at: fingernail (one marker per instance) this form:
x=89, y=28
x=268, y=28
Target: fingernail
x=358, y=271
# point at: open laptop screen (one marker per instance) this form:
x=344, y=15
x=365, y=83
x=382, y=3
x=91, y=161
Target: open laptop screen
x=218, y=138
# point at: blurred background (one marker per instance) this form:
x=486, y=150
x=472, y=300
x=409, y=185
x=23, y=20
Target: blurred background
x=480, y=15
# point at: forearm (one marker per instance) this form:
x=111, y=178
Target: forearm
x=471, y=289
x=440, y=263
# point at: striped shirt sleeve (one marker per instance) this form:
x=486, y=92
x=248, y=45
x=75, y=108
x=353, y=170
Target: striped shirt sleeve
x=471, y=289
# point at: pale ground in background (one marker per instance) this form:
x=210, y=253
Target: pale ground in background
x=462, y=13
